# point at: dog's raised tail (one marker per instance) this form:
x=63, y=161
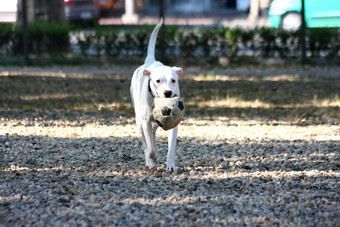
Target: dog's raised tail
x=152, y=43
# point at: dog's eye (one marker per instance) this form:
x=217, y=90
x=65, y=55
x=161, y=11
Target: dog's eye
x=173, y=81
x=158, y=81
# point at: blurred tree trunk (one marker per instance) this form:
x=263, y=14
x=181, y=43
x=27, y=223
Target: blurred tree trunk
x=254, y=10
x=303, y=33
x=43, y=10
x=25, y=32
x=54, y=10
x=162, y=31
x=258, y=7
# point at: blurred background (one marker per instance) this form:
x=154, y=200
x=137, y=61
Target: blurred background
x=135, y=11
x=215, y=29
x=282, y=13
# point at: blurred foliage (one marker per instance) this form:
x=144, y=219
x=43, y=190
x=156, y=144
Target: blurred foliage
x=46, y=39
x=6, y=33
x=324, y=40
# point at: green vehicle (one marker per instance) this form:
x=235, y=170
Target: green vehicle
x=318, y=13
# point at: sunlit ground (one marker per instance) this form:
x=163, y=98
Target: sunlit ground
x=261, y=150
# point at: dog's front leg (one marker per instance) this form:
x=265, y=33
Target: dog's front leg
x=172, y=140
x=149, y=141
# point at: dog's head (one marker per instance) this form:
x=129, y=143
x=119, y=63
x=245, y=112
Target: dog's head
x=164, y=81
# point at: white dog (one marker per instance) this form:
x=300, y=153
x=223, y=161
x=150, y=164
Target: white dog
x=153, y=79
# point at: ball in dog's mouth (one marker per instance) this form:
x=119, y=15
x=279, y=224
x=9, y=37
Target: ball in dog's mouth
x=168, y=112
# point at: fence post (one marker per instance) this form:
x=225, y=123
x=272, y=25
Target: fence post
x=25, y=32
x=303, y=33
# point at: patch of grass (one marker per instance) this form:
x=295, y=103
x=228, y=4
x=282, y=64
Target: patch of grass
x=127, y=157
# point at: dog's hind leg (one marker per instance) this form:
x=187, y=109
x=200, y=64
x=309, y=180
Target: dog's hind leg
x=149, y=142
x=148, y=161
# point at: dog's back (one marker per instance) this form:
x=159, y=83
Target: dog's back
x=139, y=81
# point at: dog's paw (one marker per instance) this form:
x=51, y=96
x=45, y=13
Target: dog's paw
x=171, y=167
x=149, y=163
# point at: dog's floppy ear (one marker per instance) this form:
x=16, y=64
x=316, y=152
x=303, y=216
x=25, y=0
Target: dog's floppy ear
x=178, y=70
x=146, y=72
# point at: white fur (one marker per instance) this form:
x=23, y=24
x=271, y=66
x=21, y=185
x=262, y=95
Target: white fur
x=163, y=79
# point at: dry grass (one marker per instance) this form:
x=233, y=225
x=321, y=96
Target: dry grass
x=278, y=97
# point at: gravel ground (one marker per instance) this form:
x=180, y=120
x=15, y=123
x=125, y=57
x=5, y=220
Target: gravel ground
x=67, y=168
x=70, y=154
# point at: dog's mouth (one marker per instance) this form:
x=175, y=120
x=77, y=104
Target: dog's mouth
x=172, y=96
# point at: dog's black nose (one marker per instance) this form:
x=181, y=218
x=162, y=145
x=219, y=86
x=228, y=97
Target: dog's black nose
x=167, y=94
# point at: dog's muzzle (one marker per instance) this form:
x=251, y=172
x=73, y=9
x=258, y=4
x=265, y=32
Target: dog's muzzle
x=167, y=94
